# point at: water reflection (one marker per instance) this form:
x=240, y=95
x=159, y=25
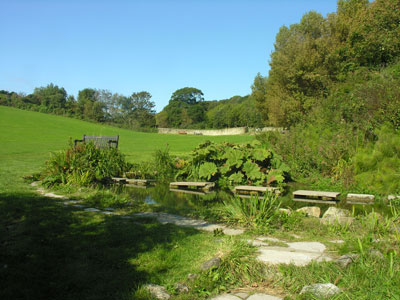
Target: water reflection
x=181, y=201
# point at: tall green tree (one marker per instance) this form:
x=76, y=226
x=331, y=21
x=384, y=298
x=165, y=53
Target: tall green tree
x=51, y=97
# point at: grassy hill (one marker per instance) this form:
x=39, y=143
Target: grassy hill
x=29, y=137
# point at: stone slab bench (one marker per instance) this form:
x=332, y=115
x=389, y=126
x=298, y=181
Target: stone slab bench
x=247, y=191
x=192, y=185
x=360, y=199
x=316, y=197
x=127, y=181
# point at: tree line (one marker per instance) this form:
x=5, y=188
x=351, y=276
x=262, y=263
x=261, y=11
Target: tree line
x=134, y=111
x=186, y=108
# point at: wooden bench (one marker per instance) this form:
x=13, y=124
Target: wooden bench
x=316, y=197
x=100, y=141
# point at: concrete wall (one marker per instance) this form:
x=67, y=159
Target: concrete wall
x=225, y=131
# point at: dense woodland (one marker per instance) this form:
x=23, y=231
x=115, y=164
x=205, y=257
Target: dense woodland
x=333, y=82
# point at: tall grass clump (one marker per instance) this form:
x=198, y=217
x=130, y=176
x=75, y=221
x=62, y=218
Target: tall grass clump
x=256, y=212
x=83, y=165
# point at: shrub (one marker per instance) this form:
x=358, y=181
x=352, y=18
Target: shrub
x=83, y=165
x=229, y=164
x=377, y=166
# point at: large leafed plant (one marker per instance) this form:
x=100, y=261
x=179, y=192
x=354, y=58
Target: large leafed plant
x=230, y=164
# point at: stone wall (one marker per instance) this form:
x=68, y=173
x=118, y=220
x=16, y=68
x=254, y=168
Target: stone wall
x=225, y=131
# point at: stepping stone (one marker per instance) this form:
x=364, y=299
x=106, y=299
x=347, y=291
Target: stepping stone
x=226, y=297
x=92, y=209
x=298, y=253
x=242, y=295
x=269, y=239
x=260, y=296
x=109, y=213
x=308, y=246
x=78, y=206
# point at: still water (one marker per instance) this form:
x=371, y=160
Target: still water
x=189, y=202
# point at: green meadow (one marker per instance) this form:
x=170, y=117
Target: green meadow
x=28, y=138
x=52, y=251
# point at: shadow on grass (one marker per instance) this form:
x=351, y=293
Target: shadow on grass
x=48, y=251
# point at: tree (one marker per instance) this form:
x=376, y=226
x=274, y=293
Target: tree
x=185, y=108
x=139, y=109
x=52, y=97
x=89, y=106
x=188, y=95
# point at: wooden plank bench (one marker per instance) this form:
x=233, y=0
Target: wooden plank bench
x=99, y=141
x=192, y=185
x=247, y=191
x=316, y=197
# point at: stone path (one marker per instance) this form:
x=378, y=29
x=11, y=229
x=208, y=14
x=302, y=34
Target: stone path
x=165, y=218
x=246, y=296
x=297, y=253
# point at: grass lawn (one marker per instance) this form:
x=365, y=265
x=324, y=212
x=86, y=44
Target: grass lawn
x=29, y=137
x=48, y=251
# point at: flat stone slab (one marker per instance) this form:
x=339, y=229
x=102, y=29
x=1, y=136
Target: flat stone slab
x=308, y=246
x=269, y=239
x=316, y=194
x=195, y=184
x=360, y=198
x=260, y=296
x=241, y=296
x=187, y=222
x=92, y=209
x=226, y=297
x=297, y=253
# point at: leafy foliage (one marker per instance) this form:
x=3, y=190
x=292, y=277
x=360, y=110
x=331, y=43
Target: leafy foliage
x=229, y=164
x=377, y=167
x=84, y=165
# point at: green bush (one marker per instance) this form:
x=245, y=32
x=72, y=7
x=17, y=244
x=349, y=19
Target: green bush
x=229, y=164
x=377, y=166
x=83, y=165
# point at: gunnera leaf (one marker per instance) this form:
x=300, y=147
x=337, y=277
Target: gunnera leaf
x=236, y=177
x=252, y=170
x=260, y=154
x=207, y=170
x=234, y=158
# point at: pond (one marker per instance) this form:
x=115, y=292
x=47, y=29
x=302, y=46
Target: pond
x=200, y=204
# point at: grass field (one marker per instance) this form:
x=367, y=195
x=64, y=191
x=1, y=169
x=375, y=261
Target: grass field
x=48, y=251
x=29, y=137
x=51, y=252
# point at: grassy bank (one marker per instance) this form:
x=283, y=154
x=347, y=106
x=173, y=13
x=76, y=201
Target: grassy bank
x=29, y=138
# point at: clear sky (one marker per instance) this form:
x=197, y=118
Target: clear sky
x=217, y=46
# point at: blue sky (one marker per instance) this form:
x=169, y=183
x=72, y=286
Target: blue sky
x=217, y=46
